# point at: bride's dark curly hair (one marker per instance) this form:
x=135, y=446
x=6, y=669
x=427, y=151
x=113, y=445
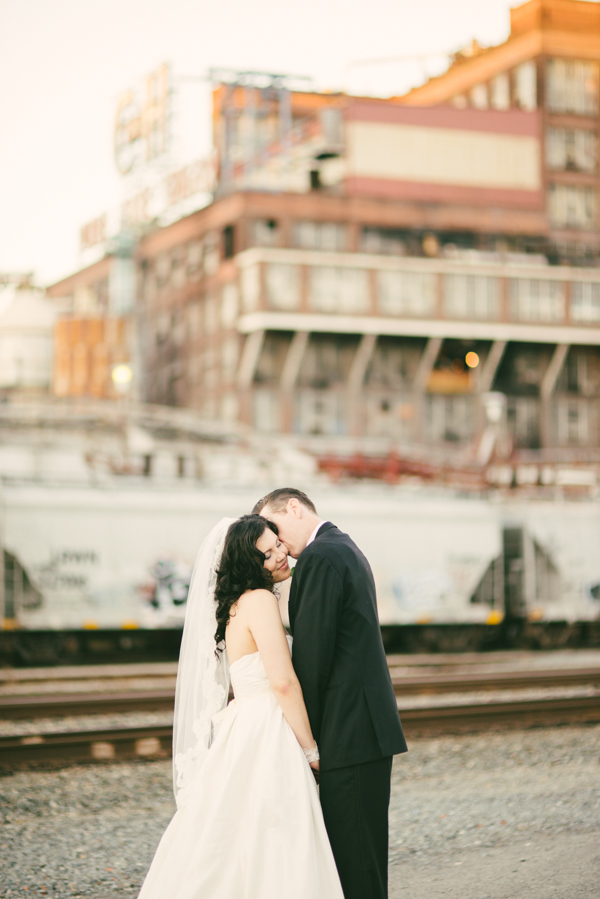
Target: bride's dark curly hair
x=241, y=567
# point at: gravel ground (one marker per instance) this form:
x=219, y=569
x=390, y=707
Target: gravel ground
x=69, y=723
x=498, y=816
x=495, y=816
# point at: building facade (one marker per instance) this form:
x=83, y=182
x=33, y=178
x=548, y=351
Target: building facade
x=549, y=64
x=418, y=275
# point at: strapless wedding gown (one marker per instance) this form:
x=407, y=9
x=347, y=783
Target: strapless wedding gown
x=252, y=825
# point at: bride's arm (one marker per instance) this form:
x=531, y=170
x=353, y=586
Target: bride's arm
x=264, y=622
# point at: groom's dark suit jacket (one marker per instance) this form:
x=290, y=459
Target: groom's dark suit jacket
x=338, y=653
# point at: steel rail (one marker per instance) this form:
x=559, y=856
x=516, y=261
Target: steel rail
x=484, y=716
x=76, y=747
x=24, y=706
x=154, y=741
x=57, y=704
x=462, y=682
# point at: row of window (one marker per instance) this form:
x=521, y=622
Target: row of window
x=571, y=149
x=338, y=290
x=497, y=93
x=570, y=206
x=449, y=419
x=571, y=87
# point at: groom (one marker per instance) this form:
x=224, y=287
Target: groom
x=339, y=658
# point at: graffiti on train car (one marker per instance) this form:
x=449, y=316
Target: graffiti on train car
x=165, y=593
x=67, y=569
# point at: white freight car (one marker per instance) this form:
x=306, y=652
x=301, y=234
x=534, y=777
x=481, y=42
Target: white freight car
x=120, y=557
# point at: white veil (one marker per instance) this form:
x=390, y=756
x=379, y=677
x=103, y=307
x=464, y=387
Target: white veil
x=202, y=677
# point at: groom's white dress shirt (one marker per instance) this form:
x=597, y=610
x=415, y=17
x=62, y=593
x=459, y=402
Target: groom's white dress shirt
x=315, y=532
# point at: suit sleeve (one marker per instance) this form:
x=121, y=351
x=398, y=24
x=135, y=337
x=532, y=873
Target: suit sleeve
x=318, y=608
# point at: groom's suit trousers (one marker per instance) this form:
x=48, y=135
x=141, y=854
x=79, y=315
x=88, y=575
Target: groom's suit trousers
x=355, y=802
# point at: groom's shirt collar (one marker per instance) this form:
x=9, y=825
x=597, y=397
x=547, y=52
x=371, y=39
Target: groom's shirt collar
x=315, y=532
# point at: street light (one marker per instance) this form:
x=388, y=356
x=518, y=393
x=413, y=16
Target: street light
x=121, y=376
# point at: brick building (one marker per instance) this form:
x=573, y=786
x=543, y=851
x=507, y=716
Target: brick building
x=380, y=275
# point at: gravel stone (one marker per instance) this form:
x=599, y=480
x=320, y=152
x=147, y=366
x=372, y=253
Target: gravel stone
x=75, y=723
x=465, y=812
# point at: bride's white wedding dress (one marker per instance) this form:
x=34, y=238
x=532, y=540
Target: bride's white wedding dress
x=250, y=824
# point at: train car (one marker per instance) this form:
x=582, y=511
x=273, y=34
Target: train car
x=103, y=570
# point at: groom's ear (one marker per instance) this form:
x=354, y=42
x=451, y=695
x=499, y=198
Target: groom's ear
x=294, y=507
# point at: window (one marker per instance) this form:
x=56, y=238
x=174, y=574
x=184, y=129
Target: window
x=343, y=290
x=449, y=418
x=229, y=407
x=382, y=240
x=526, y=86
x=229, y=358
x=332, y=126
x=500, y=92
x=389, y=415
x=585, y=301
x=178, y=268
x=581, y=372
x=228, y=242
x=194, y=256
x=572, y=86
x=209, y=365
x=229, y=305
x=211, y=318
x=533, y=300
x=572, y=421
x=319, y=412
x=121, y=286
x=162, y=268
x=479, y=96
x=571, y=206
x=315, y=179
x=523, y=419
x=571, y=148
x=327, y=361
x=528, y=366
x=319, y=236
x=250, y=281
x=406, y=293
x=266, y=411
x=264, y=233
x=283, y=286
x=471, y=296
x=211, y=253
x=393, y=364
x=194, y=318
x=272, y=357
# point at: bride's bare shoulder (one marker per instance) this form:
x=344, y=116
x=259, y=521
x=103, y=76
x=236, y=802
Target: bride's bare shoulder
x=256, y=599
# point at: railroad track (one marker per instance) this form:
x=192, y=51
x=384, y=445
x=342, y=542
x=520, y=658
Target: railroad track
x=79, y=747
x=25, y=706
x=154, y=742
x=146, y=688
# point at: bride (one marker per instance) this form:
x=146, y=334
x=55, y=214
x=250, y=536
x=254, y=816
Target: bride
x=248, y=823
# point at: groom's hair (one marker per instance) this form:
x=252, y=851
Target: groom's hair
x=278, y=499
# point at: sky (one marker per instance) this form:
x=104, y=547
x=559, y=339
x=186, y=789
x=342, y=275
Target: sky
x=65, y=63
